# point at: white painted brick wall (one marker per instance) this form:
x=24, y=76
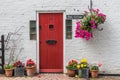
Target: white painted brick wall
x=104, y=47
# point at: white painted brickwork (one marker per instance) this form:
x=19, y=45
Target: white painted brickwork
x=104, y=47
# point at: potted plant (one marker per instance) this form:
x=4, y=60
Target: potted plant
x=30, y=67
x=71, y=68
x=19, y=68
x=8, y=69
x=95, y=70
x=83, y=68
x=91, y=20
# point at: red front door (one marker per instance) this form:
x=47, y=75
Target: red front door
x=51, y=42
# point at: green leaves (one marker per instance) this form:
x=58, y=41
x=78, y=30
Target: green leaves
x=8, y=66
x=95, y=68
x=74, y=67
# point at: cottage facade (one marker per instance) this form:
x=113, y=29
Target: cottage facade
x=46, y=31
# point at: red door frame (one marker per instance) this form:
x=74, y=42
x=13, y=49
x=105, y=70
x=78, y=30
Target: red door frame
x=38, y=40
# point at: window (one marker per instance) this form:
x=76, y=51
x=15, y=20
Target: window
x=32, y=30
x=68, y=29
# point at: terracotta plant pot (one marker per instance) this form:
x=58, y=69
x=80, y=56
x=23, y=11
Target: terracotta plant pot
x=94, y=73
x=71, y=73
x=8, y=72
x=30, y=71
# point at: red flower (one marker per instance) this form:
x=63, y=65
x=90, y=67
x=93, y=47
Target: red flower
x=18, y=63
x=70, y=63
x=30, y=62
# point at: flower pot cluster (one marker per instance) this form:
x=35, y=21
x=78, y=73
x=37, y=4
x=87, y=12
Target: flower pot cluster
x=82, y=69
x=20, y=69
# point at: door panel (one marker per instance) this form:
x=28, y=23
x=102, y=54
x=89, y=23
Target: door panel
x=51, y=42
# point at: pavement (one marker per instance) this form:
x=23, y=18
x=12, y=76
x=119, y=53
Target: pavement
x=58, y=76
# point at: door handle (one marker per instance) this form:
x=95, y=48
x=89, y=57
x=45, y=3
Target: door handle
x=51, y=42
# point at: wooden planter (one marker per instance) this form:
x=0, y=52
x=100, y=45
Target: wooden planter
x=19, y=71
x=94, y=73
x=83, y=73
x=8, y=72
x=31, y=71
x=71, y=73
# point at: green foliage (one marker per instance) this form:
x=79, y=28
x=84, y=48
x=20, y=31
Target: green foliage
x=8, y=66
x=95, y=68
x=72, y=67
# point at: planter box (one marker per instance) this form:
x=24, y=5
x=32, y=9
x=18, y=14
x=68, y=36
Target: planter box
x=83, y=73
x=19, y=71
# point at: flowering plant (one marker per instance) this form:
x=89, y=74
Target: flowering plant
x=30, y=63
x=90, y=21
x=72, y=65
x=18, y=64
x=83, y=64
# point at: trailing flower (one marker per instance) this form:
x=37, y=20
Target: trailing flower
x=90, y=21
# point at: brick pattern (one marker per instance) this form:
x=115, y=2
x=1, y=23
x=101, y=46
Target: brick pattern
x=54, y=76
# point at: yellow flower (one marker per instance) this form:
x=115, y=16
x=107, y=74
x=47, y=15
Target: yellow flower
x=76, y=76
x=84, y=65
x=78, y=66
x=81, y=65
x=84, y=60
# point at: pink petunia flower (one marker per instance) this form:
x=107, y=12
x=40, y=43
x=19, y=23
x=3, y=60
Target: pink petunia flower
x=100, y=64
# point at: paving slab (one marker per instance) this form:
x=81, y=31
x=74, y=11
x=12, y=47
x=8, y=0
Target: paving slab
x=53, y=76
